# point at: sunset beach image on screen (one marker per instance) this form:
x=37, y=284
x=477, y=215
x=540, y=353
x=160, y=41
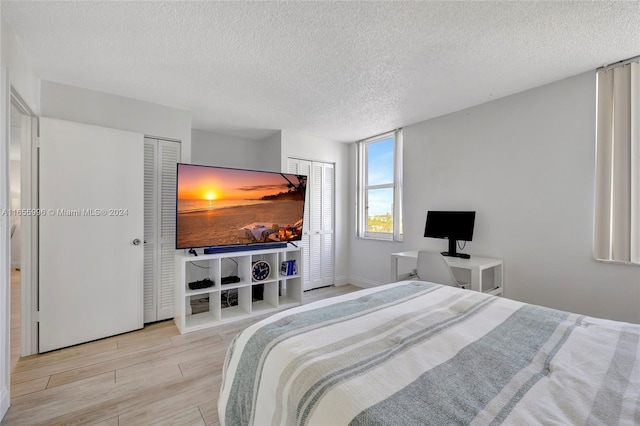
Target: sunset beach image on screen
x=218, y=206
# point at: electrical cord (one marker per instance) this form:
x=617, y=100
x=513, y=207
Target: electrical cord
x=463, y=246
x=198, y=266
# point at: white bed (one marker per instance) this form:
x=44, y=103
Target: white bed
x=419, y=353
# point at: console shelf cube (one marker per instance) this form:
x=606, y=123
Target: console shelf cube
x=223, y=303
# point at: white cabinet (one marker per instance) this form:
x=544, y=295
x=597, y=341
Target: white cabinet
x=221, y=303
x=160, y=159
x=317, y=235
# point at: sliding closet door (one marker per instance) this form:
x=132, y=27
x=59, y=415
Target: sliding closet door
x=317, y=239
x=160, y=161
x=91, y=256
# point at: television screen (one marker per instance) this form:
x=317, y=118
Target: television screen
x=219, y=206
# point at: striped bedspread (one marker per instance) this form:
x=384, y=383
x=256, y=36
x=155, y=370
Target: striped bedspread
x=417, y=353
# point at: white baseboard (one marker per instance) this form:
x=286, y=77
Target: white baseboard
x=4, y=402
x=364, y=283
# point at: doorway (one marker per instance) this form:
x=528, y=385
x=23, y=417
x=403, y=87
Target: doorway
x=22, y=198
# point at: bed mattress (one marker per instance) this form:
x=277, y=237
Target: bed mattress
x=415, y=352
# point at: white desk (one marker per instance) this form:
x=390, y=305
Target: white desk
x=475, y=266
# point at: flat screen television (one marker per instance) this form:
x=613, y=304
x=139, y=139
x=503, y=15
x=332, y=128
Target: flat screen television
x=452, y=225
x=220, y=207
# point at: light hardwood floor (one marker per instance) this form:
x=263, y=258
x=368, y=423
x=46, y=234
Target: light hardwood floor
x=153, y=376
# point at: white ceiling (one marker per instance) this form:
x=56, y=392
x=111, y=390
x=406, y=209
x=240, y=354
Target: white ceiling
x=340, y=70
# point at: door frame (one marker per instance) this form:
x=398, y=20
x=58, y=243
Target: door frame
x=29, y=235
x=5, y=256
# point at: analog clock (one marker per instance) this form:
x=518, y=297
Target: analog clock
x=260, y=270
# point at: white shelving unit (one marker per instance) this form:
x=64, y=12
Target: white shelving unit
x=208, y=307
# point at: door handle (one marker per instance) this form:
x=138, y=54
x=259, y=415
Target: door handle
x=136, y=242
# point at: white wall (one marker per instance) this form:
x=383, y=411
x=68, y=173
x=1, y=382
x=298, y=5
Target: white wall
x=216, y=149
x=302, y=145
x=107, y=110
x=22, y=74
x=526, y=165
x=17, y=72
x=272, y=152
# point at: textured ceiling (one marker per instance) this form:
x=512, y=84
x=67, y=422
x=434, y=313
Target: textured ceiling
x=340, y=70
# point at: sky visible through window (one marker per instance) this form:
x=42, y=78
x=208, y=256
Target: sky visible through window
x=380, y=171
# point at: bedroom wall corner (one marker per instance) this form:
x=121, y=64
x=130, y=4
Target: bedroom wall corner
x=217, y=149
x=23, y=76
x=108, y=110
x=525, y=164
x=270, y=149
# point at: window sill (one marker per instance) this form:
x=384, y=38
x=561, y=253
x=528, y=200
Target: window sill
x=390, y=240
x=616, y=262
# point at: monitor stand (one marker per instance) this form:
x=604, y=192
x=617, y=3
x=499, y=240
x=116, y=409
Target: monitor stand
x=453, y=245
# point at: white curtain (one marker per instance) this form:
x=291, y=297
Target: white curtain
x=617, y=201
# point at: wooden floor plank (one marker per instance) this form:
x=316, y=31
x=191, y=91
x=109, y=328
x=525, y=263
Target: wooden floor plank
x=136, y=357
x=113, y=421
x=189, y=417
x=149, y=376
x=157, y=334
x=73, y=353
x=31, y=386
x=43, y=406
x=70, y=365
x=209, y=412
x=200, y=391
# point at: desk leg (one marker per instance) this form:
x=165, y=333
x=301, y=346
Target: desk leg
x=476, y=279
x=394, y=269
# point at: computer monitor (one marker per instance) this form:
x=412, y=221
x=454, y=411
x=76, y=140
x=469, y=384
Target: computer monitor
x=453, y=225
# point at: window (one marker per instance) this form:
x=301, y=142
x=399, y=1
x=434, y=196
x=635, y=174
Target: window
x=617, y=195
x=380, y=187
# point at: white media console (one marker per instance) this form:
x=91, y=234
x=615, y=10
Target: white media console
x=222, y=303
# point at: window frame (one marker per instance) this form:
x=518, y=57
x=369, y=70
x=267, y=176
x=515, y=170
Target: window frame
x=362, y=190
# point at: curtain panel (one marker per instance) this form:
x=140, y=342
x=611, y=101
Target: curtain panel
x=617, y=197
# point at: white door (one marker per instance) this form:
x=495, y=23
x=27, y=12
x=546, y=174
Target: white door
x=160, y=159
x=91, y=251
x=317, y=237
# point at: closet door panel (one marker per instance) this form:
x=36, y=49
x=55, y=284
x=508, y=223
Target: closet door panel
x=328, y=182
x=168, y=158
x=161, y=158
x=150, y=226
x=327, y=259
x=318, y=221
